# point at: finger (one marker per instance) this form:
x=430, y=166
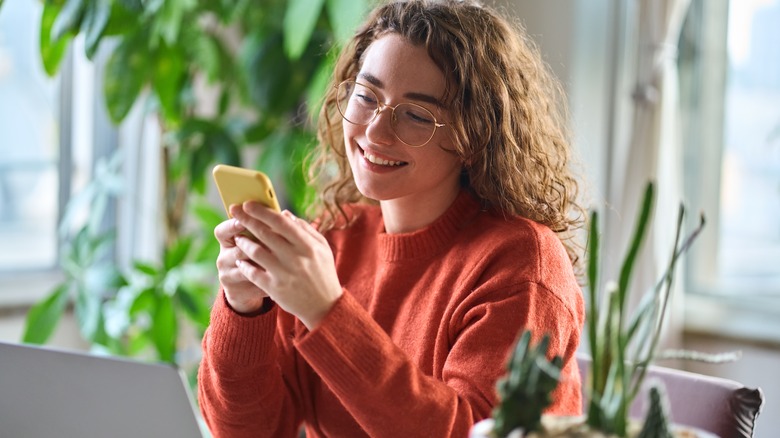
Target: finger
x=275, y=221
x=227, y=258
x=255, y=274
x=234, y=279
x=304, y=225
x=258, y=226
x=226, y=230
x=262, y=256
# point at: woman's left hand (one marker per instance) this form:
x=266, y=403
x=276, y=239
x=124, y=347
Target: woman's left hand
x=291, y=261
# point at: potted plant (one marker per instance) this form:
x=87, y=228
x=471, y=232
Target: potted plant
x=263, y=63
x=622, y=347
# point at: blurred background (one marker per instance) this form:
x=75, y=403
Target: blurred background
x=112, y=114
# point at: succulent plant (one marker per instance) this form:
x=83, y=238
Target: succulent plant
x=527, y=388
x=656, y=423
x=622, y=346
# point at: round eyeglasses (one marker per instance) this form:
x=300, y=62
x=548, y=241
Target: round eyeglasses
x=412, y=124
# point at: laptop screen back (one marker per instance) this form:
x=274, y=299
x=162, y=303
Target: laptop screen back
x=53, y=393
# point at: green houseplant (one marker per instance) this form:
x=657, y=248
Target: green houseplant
x=622, y=346
x=266, y=62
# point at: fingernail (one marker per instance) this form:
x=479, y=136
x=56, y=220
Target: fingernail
x=289, y=215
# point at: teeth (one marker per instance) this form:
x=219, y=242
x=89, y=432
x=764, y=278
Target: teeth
x=380, y=161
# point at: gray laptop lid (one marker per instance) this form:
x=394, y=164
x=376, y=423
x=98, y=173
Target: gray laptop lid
x=53, y=393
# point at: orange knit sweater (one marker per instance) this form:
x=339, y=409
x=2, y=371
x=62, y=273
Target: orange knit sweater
x=415, y=344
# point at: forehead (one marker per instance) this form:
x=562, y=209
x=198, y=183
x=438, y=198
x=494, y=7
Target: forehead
x=401, y=66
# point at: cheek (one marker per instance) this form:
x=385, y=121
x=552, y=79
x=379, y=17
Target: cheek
x=349, y=130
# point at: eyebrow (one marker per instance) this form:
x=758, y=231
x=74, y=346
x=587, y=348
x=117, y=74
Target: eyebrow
x=422, y=97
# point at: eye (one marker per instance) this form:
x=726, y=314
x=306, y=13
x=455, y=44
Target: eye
x=364, y=96
x=416, y=115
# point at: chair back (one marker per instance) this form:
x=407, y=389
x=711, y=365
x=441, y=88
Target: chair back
x=720, y=406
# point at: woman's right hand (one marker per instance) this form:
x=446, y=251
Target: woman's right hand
x=242, y=295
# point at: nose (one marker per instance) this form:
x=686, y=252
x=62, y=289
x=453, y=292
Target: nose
x=380, y=129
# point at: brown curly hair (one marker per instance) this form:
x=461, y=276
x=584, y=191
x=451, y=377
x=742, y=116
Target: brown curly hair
x=509, y=125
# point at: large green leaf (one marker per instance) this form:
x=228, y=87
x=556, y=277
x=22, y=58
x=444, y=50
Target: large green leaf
x=277, y=86
x=168, y=81
x=43, y=317
x=176, y=253
x=68, y=19
x=640, y=230
x=145, y=268
x=144, y=301
x=208, y=216
x=52, y=52
x=593, y=287
x=318, y=84
x=268, y=73
x=88, y=313
x=96, y=17
x=207, y=54
x=196, y=304
x=206, y=142
x=123, y=20
x=132, y=5
x=300, y=18
x=164, y=329
x=299, y=192
x=169, y=19
x=127, y=70
x=345, y=16
x=259, y=131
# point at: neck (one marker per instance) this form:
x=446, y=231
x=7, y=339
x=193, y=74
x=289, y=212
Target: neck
x=404, y=215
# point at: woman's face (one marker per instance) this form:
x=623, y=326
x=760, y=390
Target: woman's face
x=384, y=168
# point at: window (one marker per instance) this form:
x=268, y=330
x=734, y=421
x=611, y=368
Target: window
x=730, y=91
x=46, y=131
x=749, y=250
x=29, y=145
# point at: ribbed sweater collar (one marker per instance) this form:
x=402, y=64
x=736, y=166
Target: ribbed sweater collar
x=428, y=241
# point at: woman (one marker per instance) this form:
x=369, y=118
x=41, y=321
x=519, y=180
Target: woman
x=447, y=210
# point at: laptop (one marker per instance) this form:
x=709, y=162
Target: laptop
x=46, y=392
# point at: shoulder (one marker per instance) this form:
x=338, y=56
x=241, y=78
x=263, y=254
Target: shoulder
x=521, y=243
x=514, y=252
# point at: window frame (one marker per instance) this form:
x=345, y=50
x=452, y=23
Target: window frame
x=23, y=288
x=712, y=307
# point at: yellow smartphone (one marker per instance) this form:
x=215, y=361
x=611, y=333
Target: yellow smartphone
x=237, y=185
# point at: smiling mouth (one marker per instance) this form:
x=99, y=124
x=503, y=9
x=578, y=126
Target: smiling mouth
x=380, y=161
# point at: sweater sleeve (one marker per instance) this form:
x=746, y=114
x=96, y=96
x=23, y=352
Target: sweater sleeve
x=241, y=389
x=390, y=396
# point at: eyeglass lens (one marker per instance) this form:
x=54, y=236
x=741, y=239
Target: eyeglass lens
x=412, y=124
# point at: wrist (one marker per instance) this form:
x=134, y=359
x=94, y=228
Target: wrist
x=315, y=318
x=248, y=308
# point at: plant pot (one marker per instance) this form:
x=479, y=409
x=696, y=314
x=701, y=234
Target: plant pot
x=575, y=427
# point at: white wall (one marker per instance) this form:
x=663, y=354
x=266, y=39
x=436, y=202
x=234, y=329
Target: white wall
x=576, y=40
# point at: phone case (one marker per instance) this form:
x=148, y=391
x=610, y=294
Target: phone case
x=237, y=185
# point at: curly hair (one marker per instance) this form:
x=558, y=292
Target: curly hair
x=509, y=126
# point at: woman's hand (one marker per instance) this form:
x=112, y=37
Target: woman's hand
x=242, y=295
x=290, y=261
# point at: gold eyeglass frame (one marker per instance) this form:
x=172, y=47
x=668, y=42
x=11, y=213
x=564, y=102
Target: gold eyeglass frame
x=381, y=106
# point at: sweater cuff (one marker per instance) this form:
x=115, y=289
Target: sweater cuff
x=234, y=337
x=345, y=346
